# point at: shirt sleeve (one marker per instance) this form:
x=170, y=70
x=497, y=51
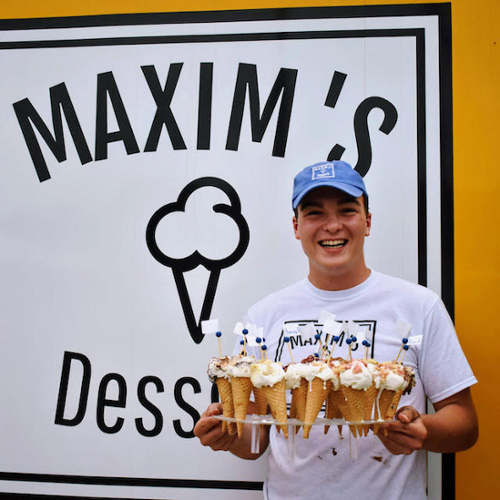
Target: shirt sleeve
x=443, y=367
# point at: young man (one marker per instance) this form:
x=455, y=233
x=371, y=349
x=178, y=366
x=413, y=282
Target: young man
x=332, y=221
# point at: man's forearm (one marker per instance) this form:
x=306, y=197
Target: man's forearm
x=454, y=425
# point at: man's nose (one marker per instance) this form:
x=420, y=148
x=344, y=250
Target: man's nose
x=332, y=223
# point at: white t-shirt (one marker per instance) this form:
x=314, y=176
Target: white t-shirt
x=322, y=467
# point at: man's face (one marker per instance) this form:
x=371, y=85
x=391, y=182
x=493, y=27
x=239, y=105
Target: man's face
x=332, y=227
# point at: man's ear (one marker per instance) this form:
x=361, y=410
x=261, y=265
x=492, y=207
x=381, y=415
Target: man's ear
x=368, y=224
x=296, y=227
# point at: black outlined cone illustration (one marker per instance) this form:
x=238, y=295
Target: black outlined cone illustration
x=180, y=265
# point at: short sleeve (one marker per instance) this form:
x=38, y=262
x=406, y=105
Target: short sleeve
x=443, y=367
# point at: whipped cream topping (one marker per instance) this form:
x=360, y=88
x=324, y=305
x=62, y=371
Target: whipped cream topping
x=239, y=365
x=336, y=367
x=294, y=374
x=266, y=373
x=217, y=368
x=393, y=376
x=318, y=369
x=355, y=374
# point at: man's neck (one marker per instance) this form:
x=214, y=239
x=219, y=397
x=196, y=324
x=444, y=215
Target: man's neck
x=340, y=281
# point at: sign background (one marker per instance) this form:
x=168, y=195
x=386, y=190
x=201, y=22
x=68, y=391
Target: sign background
x=51, y=181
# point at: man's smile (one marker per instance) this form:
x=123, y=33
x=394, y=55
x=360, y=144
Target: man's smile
x=337, y=243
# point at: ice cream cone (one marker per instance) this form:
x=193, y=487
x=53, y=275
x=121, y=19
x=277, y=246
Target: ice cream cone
x=383, y=402
x=276, y=397
x=293, y=407
x=391, y=411
x=299, y=396
x=340, y=401
x=332, y=410
x=260, y=401
x=370, y=395
x=226, y=397
x=316, y=395
x=242, y=388
x=356, y=402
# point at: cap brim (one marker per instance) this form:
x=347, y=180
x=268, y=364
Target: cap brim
x=346, y=188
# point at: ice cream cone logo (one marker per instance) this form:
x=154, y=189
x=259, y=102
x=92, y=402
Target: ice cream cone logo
x=181, y=265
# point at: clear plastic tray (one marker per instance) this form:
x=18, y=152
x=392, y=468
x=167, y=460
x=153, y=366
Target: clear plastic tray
x=257, y=420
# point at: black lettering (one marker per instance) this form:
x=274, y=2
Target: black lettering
x=205, y=105
x=141, y=394
x=308, y=342
x=186, y=406
x=296, y=340
x=163, y=115
x=361, y=129
x=29, y=119
x=102, y=402
x=247, y=79
x=106, y=86
x=341, y=339
x=336, y=86
x=63, y=389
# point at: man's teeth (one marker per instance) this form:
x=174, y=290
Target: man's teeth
x=333, y=243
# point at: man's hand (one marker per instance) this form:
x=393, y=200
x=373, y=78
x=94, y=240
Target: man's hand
x=209, y=430
x=452, y=428
x=405, y=434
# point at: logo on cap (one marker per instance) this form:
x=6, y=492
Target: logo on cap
x=323, y=171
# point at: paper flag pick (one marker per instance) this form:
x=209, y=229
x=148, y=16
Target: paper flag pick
x=252, y=329
x=332, y=327
x=324, y=316
x=210, y=326
x=352, y=327
x=253, y=333
x=402, y=328
x=238, y=328
x=361, y=335
x=291, y=329
x=308, y=331
x=415, y=340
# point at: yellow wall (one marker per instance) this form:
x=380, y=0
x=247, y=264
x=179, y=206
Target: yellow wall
x=476, y=84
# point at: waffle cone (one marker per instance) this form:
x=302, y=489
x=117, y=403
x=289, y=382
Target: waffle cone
x=356, y=401
x=242, y=388
x=370, y=395
x=341, y=401
x=299, y=397
x=226, y=398
x=276, y=397
x=383, y=403
x=316, y=394
x=260, y=401
x=391, y=411
x=332, y=410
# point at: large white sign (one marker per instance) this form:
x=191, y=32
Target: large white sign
x=147, y=166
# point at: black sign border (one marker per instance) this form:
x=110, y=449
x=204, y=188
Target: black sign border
x=443, y=13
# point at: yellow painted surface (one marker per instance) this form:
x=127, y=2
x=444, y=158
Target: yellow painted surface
x=476, y=87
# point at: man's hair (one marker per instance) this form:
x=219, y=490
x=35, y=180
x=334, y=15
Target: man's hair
x=365, y=204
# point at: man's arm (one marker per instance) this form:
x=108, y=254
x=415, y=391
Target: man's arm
x=452, y=428
x=209, y=431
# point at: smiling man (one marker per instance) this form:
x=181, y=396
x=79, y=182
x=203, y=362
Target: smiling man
x=332, y=220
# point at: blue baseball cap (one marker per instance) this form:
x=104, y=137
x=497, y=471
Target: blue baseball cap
x=335, y=174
